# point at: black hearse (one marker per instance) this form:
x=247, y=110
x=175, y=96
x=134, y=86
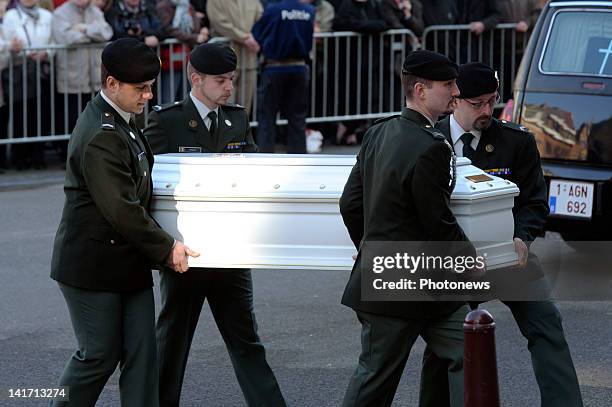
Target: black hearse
x=563, y=94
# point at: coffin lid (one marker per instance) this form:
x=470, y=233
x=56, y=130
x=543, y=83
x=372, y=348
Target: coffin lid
x=288, y=176
x=274, y=176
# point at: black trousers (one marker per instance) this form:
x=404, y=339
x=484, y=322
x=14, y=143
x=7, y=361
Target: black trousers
x=111, y=329
x=284, y=90
x=230, y=296
x=540, y=324
x=386, y=343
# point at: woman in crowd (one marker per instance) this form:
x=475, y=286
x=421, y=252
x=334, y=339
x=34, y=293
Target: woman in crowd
x=5, y=47
x=77, y=23
x=28, y=25
x=179, y=20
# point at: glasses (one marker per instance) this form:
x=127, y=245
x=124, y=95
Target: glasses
x=491, y=102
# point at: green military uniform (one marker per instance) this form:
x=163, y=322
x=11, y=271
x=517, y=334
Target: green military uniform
x=399, y=190
x=508, y=151
x=178, y=127
x=104, y=249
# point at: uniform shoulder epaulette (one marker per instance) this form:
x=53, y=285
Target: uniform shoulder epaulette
x=234, y=106
x=513, y=126
x=107, y=122
x=384, y=119
x=166, y=106
x=435, y=133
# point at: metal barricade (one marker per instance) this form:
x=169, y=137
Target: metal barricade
x=38, y=99
x=356, y=76
x=501, y=48
x=353, y=77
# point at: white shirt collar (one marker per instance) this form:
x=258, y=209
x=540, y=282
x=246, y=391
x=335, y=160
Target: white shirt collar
x=203, y=110
x=457, y=131
x=124, y=115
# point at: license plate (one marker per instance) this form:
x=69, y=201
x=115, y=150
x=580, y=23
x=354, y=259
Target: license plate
x=571, y=198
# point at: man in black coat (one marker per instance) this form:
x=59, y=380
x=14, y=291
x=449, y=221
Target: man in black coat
x=399, y=190
x=204, y=122
x=107, y=242
x=507, y=150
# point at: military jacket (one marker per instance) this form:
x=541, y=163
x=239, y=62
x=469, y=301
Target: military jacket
x=509, y=151
x=178, y=127
x=399, y=190
x=107, y=239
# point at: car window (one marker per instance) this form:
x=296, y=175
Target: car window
x=579, y=42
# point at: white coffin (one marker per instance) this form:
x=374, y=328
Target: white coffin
x=281, y=211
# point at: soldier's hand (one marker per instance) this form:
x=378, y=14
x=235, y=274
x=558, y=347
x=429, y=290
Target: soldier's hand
x=177, y=259
x=521, y=249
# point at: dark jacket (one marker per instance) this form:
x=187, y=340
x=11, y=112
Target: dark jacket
x=485, y=11
x=107, y=239
x=179, y=124
x=395, y=18
x=515, y=157
x=165, y=12
x=142, y=23
x=361, y=17
x=440, y=12
x=399, y=190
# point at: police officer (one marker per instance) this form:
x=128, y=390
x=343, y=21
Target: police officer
x=399, y=190
x=284, y=32
x=507, y=150
x=107, y=240
x=204, y=122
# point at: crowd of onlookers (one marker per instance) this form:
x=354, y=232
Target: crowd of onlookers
x=75, y=23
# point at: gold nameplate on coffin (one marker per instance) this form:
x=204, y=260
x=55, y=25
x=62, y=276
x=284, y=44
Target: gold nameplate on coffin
x=479, y=178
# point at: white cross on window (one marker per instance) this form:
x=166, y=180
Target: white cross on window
x=607, y=52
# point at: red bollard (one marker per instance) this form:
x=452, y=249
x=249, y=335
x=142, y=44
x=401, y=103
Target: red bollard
x=479, y=361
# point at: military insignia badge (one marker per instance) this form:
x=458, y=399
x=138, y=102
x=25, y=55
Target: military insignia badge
x=193, y=123
x=498, y=171
x=236, y=145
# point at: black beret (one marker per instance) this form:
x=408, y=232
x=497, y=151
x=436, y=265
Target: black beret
x=213, y=59
x=476, y=79
x=131, y=61
x=429, y=65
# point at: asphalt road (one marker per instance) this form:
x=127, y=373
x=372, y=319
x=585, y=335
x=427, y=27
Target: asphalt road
x=312, y=341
